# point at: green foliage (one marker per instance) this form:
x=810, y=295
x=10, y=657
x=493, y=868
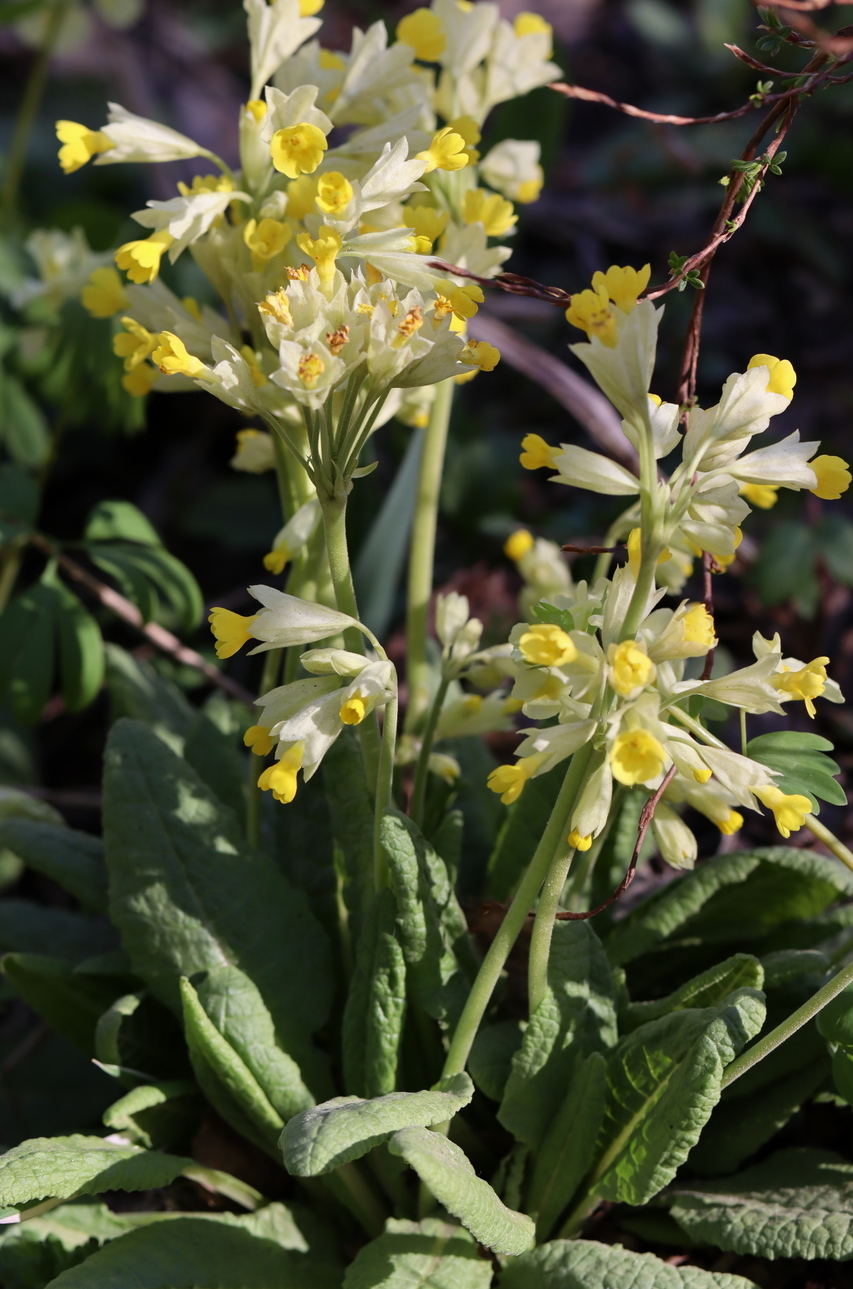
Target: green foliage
x=376, y=1004
x=60, y=1167
x=71, y=1000
x=431, y=1254
x=797, y=1203
x=447, y=1173
x=803, y=764
x=73, y=859
x=569, y=1146
x=345, y=1128
x=155, y=1114
x=585, y=1264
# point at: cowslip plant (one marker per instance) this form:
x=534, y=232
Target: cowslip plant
x=294, y=956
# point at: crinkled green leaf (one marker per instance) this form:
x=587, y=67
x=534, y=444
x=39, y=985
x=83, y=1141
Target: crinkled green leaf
x=323, y=1138
x=186, y=894
x=576, y=1017
x=569, y=1146
x=137, y=691
x=155, y=1115
x=73, y=859
x=586, y=1264
x=741, y=971
x=136, y=1032
x=446, y=1171
x=26, y=927
x=490, y=1062
x=350, y=813
x=796, y=1204
x=59, y=1167
x=376, y=1003
x=81, y=651
x=663, y=1081
x=419, y=1255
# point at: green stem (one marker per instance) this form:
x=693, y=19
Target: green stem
x=334, y=523
x=253, y=798
x=829, y=840
x=422, y=553
x=543, y=929
x=493, y=963
x=422, y=770
x=788, y=1027
x=384, y=791
x=360, y=1198
x=27, y=112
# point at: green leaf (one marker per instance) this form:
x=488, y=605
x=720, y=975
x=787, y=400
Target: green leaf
x=186, y=894
x=430, y=922
x=212, y=750
x=27, y=633
x=741, y=971
x=351, y=816
x=234, y=1005
x=586, y=1264
x=59, y=1167
x=225, y=1079
x=835, y=1021
x=155, y=1114
x=26, y=927
x=73, y=859
x=376, y=1004
x=445, y=1170
x=569, y=1145
x=663, y=1081
x=545, y=612
x=785, y=567
x=490, y=1062
x=576, y=1017
x=137, y=1033
x=334, y=1133
x=259, y=1251
x=19, y=501
x=25, y=429
x=520, y=832
x=796, y=1204
x=733, y=897
x=805, y=767
x=142, y=571
x=377, y=570
x=120, y=521
x=137, y=691
x=835, y=538
x=70, y=1001
x=419, y=1255
x=81, y=652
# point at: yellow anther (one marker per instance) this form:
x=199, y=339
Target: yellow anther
x=337, y=339
x=277, y=306
x=311, y=368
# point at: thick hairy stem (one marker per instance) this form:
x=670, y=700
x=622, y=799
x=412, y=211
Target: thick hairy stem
x=543, y=928
x=422, y=553
x=334, y=523
x=493, y=963
x=422, y=770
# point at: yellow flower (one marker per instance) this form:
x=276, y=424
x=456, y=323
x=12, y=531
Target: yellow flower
x=495, y=213
x=470, y=131
x=517, y=545
x=134, y=344
x=808, y=683
x=730, y=823
x=206, y=183
x=529, y=191
x=323, y=250
x=630, y=667
x=104, y=295
x=256, y=372
x=636, y=757
x=789, y=810
x=192, y=307
x=477, y=353
x=354, y=710
x=298, y=149
x=547, y=645
x=528, y=24
x=258, y=109
x=509, y=780
x=172, y=358
x=80, y=144
x=783, y=378
x=276, y=305
x=334, y=192
x=591, y=312
x=140, y=381
x=762, y=495
x=140, y=260
x=231, y=630
x=422, y=31
x=462, y=301
x=699, y=626
x=311, y=368
x=280, y=779
x=578, y=841
x=623, y=286
x=259, y=740
x=301, y=195
x=427, y=222
x=265, y=239
x=275, y=560
x=446, y=152
x=536, y=453
x=307, y=8
x=833, y=477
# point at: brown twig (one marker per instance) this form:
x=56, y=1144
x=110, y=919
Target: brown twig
x=128, y=612
x=514, y=283
x=708, y=581
x=594, y=550
x=646, y=816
